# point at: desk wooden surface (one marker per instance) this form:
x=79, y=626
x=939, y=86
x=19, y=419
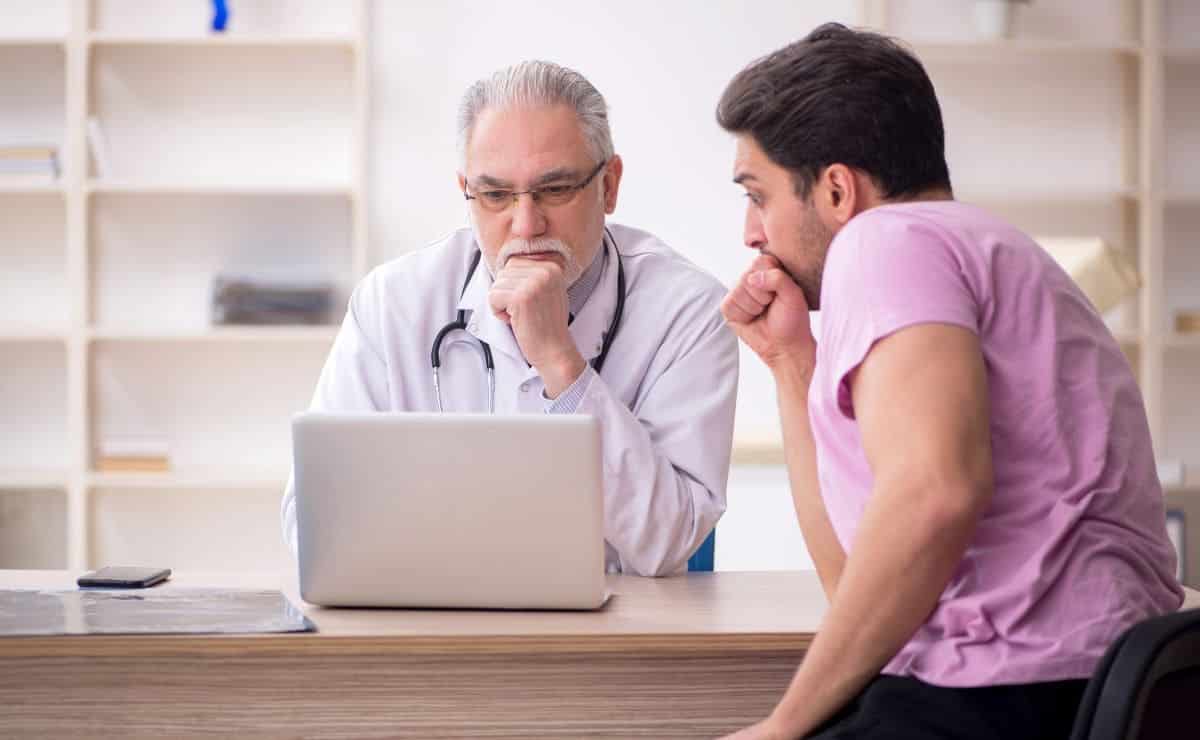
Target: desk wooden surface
x=727, y=611
x=692, y=656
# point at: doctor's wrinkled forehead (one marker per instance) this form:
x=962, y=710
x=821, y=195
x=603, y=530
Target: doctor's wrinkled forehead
x=534, y=83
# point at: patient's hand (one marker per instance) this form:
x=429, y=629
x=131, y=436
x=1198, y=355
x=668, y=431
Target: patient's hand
x=767, y=310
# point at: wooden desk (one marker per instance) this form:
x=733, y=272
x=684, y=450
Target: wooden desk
x=691, y=657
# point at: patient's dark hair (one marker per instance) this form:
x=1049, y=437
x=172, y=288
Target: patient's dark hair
x=842, y=96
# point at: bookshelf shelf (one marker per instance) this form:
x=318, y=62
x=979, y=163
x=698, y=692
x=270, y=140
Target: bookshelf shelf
x=253, y=335
x=193, y=479
x=969, y=50
x=21, y=334
x=28, y=41
x=217, y=41
x=1183, y=198
x=97, y=187
x=1022, y=195
x=23, y=186
x=1176, y=340
x=33, y=479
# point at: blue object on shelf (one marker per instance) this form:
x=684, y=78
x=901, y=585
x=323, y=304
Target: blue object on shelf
x=220, y=15
x=702, y=560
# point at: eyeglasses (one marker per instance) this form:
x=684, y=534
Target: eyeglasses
x=496, y=200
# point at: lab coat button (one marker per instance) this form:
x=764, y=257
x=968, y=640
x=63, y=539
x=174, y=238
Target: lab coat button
x=525, y=387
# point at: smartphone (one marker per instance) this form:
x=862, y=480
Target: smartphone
x=123, y=577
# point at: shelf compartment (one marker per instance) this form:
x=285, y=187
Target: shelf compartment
x=33, y=528
x=1098, y=26
x=1182, y=427
x=1025, y=121
x=207, y=530
x=33, y=88
x=211, y=405
x=188, y=115
x=154, y=259
x=33, y=265
x=1181, y=163
x=33, y=406
x=44, y=21
x=1181, y=263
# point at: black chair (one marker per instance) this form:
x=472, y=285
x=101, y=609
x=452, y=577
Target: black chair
x=1147, y=686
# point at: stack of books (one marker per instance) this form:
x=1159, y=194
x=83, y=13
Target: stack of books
x=241, y=299
x=32, y=162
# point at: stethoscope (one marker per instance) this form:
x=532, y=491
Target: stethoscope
x=460, y=322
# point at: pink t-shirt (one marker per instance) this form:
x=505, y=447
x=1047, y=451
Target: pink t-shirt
x=1073, y=548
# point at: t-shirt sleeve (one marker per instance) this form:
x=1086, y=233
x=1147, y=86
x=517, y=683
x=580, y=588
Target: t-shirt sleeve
x=894, y=272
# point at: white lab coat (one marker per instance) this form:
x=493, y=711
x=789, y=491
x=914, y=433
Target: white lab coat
x=665, y=399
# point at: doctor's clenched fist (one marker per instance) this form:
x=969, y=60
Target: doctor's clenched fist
x=530, y=295
x=767, y=310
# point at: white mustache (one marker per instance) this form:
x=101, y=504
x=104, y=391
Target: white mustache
x=518, y=247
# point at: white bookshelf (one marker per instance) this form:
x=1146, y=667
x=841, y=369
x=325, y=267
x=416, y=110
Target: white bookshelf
x=239, y=152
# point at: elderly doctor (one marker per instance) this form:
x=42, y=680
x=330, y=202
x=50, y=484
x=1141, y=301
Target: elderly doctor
x=540, y=308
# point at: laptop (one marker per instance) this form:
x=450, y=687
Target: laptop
x=449, y=510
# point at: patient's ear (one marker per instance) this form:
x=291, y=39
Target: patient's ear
x=462, y=182
x=838, y=195
x=611, y=182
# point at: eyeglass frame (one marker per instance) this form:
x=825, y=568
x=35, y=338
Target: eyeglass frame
x=537, y=193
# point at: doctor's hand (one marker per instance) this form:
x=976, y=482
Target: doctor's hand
x=767, y=310
x=530, y=295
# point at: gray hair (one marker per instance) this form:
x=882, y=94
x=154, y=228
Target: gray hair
x=538, y=83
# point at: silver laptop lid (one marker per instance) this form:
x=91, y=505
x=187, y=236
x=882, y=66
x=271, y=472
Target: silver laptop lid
x=449, y=510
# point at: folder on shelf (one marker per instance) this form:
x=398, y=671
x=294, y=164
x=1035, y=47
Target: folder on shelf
x=239, y=299
x=1106, y=276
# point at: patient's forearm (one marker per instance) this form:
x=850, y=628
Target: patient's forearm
x=792, y=384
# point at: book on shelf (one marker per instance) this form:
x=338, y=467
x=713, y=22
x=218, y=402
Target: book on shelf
x=1187, y=322
x=133, y=455
x=270, y=300
x=29, y=161
x=133, y=465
